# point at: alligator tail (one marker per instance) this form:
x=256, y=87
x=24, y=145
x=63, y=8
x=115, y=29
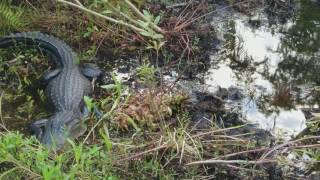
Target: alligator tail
x=57, y=49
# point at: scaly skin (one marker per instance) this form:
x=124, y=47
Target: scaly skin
x=65, y=90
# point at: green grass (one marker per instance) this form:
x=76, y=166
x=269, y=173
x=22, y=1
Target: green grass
x=28, y=158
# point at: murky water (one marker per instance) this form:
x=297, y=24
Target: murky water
x=275, y=66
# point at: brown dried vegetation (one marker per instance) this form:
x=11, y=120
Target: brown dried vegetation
x=148, y=107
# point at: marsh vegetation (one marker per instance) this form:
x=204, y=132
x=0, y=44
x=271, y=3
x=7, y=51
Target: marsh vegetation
x=189, y=89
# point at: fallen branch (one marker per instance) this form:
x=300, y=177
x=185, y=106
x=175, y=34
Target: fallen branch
x=244, y=169
x=242, y=152
x=145, y=152
x=286, y=144
x=176, y=5
x=218, y=160
x=220, y=130
x=78, y=2
x=232, y=162
x=263, y=150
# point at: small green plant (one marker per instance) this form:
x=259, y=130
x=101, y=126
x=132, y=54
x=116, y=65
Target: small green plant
x=89, y=103
x=156, y=45
x=147, y=75
x=150, y=20
x=11, y=17
x=90, y=30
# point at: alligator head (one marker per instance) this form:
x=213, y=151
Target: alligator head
x=61, y=126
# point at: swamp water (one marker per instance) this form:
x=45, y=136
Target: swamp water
x=274, y=66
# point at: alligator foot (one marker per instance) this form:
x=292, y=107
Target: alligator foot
x=77, y=130
x=91, y=71
x=85, y=112
x=47, y=76
x=97, y=112
x=37, y=127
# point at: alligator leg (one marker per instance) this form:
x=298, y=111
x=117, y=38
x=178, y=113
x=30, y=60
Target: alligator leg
x=85, y=112
x=78, y=128
x=91, y=71
x=97, y=112
x=47, y=76
x=37, y=127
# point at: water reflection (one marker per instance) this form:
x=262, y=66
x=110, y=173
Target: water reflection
x=277, y=67
x=282, y=122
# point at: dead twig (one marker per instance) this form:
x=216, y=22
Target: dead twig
x=242, y=152
x=185, y=20
x=165, y=145
x=265, y=149
x=244, y=169
x=216, y=131
x=78, y=2
x=209, y=13
x=232, y=162
x=285, y=144
x=176, y=5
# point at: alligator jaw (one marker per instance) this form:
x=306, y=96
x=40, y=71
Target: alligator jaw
x=60, y=127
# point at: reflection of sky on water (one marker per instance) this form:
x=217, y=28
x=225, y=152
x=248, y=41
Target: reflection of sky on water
x=223, y=77
x=289, y=122
x=260, y=44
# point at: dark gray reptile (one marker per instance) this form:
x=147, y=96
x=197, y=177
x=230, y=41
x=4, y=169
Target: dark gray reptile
x=67, y=85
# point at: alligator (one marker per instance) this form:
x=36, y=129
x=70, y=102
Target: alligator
x=65, y=89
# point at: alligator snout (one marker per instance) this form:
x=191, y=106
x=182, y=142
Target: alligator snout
x=60, y=127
